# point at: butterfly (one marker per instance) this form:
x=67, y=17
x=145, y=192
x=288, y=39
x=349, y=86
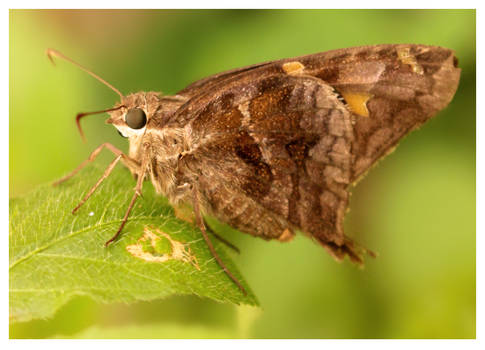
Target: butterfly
x=273, y=148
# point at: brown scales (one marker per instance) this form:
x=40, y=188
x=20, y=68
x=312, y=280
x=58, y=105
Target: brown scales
x=273, y=148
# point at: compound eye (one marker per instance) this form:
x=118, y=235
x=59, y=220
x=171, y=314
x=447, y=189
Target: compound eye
x=136, y=118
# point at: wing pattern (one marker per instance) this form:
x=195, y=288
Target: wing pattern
x=276, y=145
x=280, y=149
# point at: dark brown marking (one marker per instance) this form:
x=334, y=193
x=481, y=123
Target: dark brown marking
x=258, y=182
x=330, y=74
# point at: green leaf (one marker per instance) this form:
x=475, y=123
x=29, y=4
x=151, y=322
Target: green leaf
x=55, y=255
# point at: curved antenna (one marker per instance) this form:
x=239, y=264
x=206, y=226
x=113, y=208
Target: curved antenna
x=80, y=115
x=54, y=53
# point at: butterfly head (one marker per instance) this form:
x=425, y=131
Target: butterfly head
x=131, y=116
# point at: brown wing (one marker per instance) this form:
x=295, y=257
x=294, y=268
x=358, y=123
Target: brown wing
x=391, y=89
x=279, y=147
x=204, y=84
x=275, y=154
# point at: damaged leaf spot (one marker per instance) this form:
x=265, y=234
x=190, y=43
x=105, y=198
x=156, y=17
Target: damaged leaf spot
x=157, y=246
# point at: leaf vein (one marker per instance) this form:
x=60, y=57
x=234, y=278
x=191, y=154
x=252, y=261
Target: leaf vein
x=72, y=234
x=103, y=262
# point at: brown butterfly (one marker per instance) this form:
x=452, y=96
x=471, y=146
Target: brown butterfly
x=273, y=148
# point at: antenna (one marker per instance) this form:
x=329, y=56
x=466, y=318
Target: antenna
x=80, y=115
x=54, y=53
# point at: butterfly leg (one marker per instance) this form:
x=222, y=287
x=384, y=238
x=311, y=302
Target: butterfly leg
x=125, y=218
x=200, y=222
x=221, y=239
x=141, y=171
x=106, y=173
x=184, y=212
x=127, y=161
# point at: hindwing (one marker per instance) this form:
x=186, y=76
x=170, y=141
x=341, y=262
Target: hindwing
x=274, y=155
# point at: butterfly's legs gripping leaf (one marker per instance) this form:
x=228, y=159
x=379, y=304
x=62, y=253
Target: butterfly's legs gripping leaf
x=200, y=223
x=127, y=161
x=140, y=172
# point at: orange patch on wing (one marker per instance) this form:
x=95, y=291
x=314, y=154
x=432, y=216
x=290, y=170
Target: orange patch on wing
x=406, y=57
x=357, y=102
x=286, y=236
x=293, y=68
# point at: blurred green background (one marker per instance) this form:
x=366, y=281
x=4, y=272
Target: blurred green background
x=416, y=208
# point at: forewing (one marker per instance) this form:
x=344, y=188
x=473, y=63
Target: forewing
x=390, y=89
x=277, y=144
x=205, y=84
